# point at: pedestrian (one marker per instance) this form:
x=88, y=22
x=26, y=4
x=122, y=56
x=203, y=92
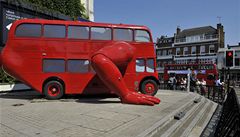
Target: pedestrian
x=198, y=84
x=192, y=81
x=203, y=86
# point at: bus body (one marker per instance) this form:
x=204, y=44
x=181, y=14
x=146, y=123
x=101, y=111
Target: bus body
x=207, y=71
x=38, y=51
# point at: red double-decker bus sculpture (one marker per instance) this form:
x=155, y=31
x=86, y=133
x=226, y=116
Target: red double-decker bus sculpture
x=70, y=57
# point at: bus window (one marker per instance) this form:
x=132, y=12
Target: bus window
x=78, y=66
x=123, y=34
x=100, y=33
x=53, y=65
x=54, y=31
x=28, y=30
x=142, y=36
x=140, y=65
x=150, y=65
x=78, y=32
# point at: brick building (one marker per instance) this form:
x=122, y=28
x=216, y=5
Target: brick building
x=194, y=45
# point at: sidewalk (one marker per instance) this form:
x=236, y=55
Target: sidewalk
x=28, y=114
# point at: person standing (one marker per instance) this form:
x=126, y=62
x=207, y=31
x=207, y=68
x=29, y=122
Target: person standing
x=192, y=81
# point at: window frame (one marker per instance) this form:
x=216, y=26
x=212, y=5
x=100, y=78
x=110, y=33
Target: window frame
x=70, y=25
x=134, y=36
x=46, y=37
x=111, y=33
x=78, y=72
x=193, y=47
x=144, y=65
x=41, y=31
x=178, y=50
x=59, y=59
x=211, y=46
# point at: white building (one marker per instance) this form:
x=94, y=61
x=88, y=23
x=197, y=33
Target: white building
x=235, y=70
x=88, y=4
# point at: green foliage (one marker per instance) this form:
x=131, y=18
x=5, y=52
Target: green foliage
x=5, y=78
x=72, y=8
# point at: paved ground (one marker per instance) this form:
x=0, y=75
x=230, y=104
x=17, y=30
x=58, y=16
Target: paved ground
x=28, y=114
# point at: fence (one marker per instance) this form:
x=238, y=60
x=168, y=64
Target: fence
x=214, y=93
x=229, y=123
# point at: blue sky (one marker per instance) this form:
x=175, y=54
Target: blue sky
x=163, y=16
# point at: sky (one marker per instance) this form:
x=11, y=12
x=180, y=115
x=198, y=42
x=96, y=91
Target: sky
x=163, y=16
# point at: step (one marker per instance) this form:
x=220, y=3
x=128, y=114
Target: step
x=204, y=120
x=168, y=128
x=163, y=123
x=191, y=122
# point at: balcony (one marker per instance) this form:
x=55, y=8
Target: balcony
x=165, y=57
x=195, y=39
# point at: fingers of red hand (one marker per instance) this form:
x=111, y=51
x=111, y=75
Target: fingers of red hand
x=153, y=99
x=137, y=98
x=150, y=98
x=146, y=102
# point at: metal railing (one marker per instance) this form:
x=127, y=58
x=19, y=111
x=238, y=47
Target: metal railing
x=229, y=123
x=214, y=93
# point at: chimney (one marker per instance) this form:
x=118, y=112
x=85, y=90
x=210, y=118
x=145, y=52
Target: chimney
x=178, y=30
x=219, y=26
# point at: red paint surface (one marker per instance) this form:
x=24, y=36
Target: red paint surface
x=113, y=62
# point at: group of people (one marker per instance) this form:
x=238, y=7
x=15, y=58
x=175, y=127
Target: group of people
x=198, y=85
x=174, y=83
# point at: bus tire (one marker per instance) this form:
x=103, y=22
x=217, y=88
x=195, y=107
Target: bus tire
x=53, y=90
x=149, y=87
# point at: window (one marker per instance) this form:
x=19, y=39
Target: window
x=28, y=30
x=98, y=33
x=140, y=65
x=78, y=32
x=54, y=31
x=202, y=49
x=150, y=65
x=159, y=52
x=164, y=52
x=177, y=51
x=193, y=50
x=142, y=36
x=237, y=58
x=185, y=50
x=78, y=66
x=123, y=34
x=170, y=52
x=53, y=65
x=211, y=49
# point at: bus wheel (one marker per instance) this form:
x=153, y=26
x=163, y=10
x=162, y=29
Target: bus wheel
x=149, y=87
x=53, y=90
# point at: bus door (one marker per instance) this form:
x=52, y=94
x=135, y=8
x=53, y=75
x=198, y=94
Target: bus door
x=79, y=71
x=53, y=51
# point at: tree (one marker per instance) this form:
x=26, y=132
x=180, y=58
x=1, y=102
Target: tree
x=72, y=8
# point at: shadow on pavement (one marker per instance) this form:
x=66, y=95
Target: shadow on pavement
x=34, y=96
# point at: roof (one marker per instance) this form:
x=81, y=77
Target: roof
x=95, y=24
x=197, y=31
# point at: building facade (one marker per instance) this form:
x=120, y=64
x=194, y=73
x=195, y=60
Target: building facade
x=194, y=45
x=235, y=69
x=89, y=6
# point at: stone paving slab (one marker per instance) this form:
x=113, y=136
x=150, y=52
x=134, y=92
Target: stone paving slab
x=29, y=114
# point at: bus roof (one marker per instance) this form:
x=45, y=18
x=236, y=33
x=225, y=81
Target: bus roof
x=62, y=22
